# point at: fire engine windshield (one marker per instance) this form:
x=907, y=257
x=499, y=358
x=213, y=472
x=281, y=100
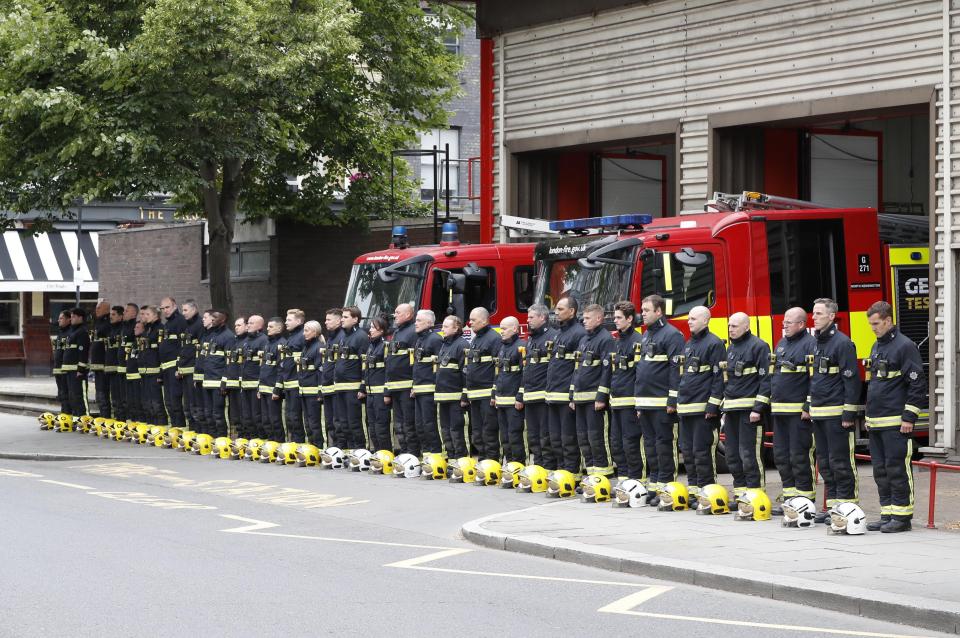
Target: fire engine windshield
x=603, y=283
x=684, y=279
x=375, y=297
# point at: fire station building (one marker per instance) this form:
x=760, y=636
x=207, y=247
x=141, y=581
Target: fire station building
x=600, y=107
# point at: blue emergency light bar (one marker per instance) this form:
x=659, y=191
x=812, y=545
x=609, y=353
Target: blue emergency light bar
x=590, y=223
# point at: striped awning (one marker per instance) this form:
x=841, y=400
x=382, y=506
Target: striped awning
x=48, y=262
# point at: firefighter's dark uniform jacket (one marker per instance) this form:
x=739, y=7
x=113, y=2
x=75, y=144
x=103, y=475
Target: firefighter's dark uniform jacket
x=509, y=362
x=251, y=356
x=701, y=380
x=270, y=365
x=290, y=359
x=150, y=348
x=562, y=352
x=374, y=368
x=128, y=344
x=77, y=352
x=98, y=343
x=898, y=387
x=790, y=373
x=215, y=363
x=328, y=361
x=623, y=370
x=308, y=367
x=203, y=350
x=348, y=372
x=451, y=380
x=234, y=365
x=59, y=347
x=425, y=360
x=193, y=333
x=399, y=357
x=746, y=374
x=533, y=387
x=131, y=356
x=835, y=384
x=172, y=336
x=591, y=377
x=480, y=367
x=111, y=356
x=658, y=366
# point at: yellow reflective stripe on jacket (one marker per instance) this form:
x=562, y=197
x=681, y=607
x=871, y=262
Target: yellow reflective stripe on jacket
x=451, y=366
x=233, y=384
x=851, y=407
x=265, y=389
x=166, y=365
x=824, y=411
x=249, y=385
x=623, y=402
x=399, y=385
x=216, y=353
x=198, y=376
x=656, y=357
x=786, y=408
x=536, y=395
x=739, y=404
x=589, y=395
x=328, y=389
x=96, y=367
x=69, y=367
x=296, y=355
x=762, y=398
x=912, y=408
x=346, y=386
x=209, y=384
x=691, y=408
x=150, y=370
x=715, y=401
x=651, y=402
x=883, y=421
x=445, y=397
x=505, y=402
x=593, y=363
x=425, y=388
x=309, y=390
x=750, y=370
x=479, y=393
x=133, y=376
x=188, y=370
x=558, y=397
x=289, y=385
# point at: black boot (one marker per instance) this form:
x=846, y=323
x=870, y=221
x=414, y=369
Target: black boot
x=894, y=526
x=876, y=526
x=822, y=518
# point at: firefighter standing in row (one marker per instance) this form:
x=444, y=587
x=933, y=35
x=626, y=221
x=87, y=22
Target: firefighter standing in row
x=75, y=363
x=896, y=393
x=626, y=441
x=348, y=375
x=271, y=402
x=251, y=355
x=699, y=396
x=425, y=360
x=399, y=379
x=506, y=392
x=150, y=366
x=332, y=412
x=200, y=374
x=171, y=347
x=789, y=387
x=231, y=376
x=657, y=382
x=222, y=341
x=834, y=397
x=193, y=405
x=372, y=389
x=288, y=386
x=308, y=379
x=59, y=348
x=98, y=356
x=591, y=393
x=531, y=397
x=132, y=331
x=561, y=420
x=112, y=364
x=746, y=399
x=451, y=388
x=481, y=375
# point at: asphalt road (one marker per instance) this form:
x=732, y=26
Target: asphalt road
x=180, y=544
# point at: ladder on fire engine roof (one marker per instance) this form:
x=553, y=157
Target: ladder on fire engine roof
x=750, y=200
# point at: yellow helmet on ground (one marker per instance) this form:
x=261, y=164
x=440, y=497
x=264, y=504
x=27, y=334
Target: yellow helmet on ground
x=463, y=470
x=187, y=439
x=561, y=483
x=674, y=496
x=85, y=424
x=754, y=505
x=130, y=427
x=251, y=451
x=308, y=455
x=510, y=477
x=238, y=448
x=533, y=478
x=155, y=435
x=171, y=438
x=97, y=425
x=203, y=445
x=140, y=433
x=596, y=489
x=382, y=462
x=268, y=451
x=489, y=472
x=118, y=431
x=64, y=423
x=713, y=499
x=287, y=453
x=434, y=466
x=47, y=420
x=222, y=447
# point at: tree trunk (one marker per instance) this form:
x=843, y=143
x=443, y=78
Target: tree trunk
x=220, y=207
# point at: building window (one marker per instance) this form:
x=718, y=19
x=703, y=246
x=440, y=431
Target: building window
x=806, y=261
x=439, y=138
x=9, y=314
x=452, y=42
x=250, y=259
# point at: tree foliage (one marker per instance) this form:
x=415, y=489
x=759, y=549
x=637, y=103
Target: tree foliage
x=217, y=103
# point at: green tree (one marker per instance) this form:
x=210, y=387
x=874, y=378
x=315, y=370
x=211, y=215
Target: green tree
x=217, y=103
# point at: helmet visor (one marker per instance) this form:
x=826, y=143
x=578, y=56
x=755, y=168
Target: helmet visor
x=745, y=508
x=838, y=521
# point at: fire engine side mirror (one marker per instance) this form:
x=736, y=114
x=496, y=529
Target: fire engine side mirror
x=473, y=271
x=647, y=254
x=689, y=257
